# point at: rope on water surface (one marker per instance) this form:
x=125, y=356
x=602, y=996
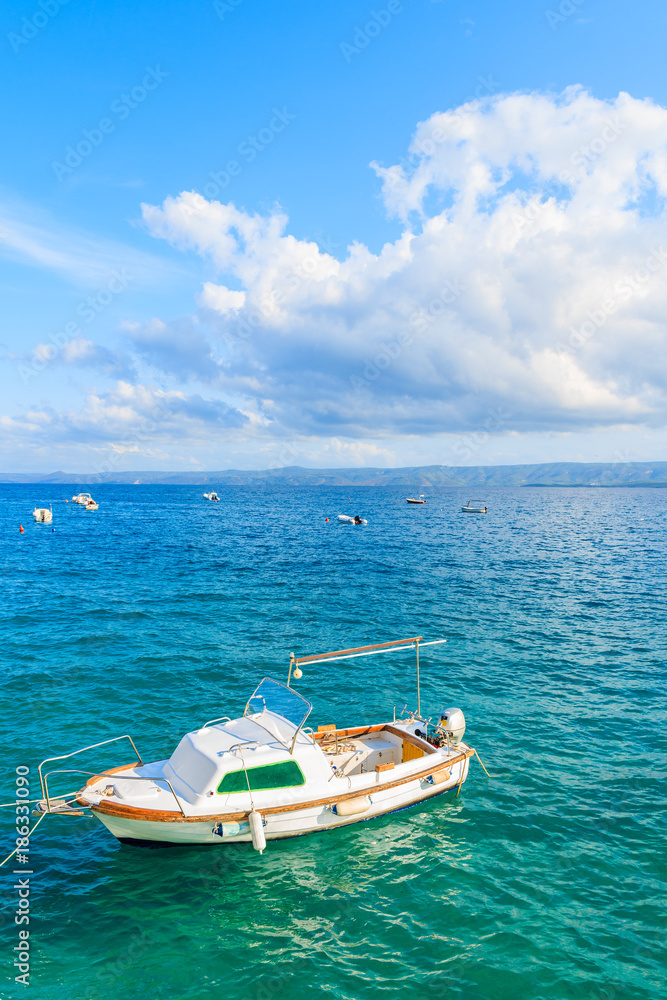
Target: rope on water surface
x=30, y=834
x=483, y=768
x=27, y=802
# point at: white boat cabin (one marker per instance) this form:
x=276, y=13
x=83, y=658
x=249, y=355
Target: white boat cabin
x=263, y=776
x=229, y=765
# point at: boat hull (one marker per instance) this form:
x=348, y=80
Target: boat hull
x=279, y=825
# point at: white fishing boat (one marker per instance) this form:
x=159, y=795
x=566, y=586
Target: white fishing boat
x=82, y=498
x=212, y=496
x=262, y=776
x=475, y=508
x=346, y=519
x=91, y=505
x=43, y=514
x=419, y=499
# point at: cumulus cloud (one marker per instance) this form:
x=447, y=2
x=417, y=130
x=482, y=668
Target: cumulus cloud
x=525, y=293
x=529, y=281
x=81, y=353
x=178, y=347
x=129, y=417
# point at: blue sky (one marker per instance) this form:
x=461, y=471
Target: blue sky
x=270, y=116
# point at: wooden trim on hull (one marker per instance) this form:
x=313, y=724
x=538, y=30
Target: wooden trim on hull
x=164, y=816
x=342, y=734
x=246, y=838
x=110, y=773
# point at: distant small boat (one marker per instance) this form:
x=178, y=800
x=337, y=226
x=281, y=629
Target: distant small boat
x=212, y=496
x=346, y=519
x=474, y=509
x=82, y=498
x=91, y=505
x=43, y=515
x=419, y=499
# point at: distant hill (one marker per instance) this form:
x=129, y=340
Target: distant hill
x=414, y=478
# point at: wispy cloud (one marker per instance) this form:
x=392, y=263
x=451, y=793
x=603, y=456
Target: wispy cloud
x=35, y=238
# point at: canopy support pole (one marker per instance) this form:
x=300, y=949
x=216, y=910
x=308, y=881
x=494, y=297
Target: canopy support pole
x=419, y=711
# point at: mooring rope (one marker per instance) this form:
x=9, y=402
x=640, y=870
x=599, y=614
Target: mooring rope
x=484, y=769
x=6, y=805
x=65, y=795
x=30, y=835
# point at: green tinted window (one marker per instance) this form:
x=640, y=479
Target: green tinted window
x=287, y=774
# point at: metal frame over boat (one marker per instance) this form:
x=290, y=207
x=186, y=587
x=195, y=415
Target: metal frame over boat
x=263, y=776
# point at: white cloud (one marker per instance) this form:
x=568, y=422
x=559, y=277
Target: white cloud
x=525, y=296
x=132, y=418
x=520, y=280
x=178, y=347
x=221, y=299
x=81, y=353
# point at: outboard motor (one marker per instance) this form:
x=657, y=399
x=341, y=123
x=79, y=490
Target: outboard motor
x=453, y=722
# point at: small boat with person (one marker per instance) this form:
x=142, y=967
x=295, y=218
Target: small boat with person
x=212, y=496
x=82, y=498
x=475, y=508
x=91, y=505
x=346, y=519
x=263, y=776
x=43, y=514
x=419, y=499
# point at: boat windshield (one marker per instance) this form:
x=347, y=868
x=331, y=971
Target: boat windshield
x=272, y=696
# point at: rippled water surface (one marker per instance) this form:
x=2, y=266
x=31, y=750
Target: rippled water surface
x=161, y=610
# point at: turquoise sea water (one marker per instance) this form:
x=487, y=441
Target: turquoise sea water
x=160, y=611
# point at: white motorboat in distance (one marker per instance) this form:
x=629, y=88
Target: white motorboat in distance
x=43, y=514
x=475, y=508
x=212, y=496
x=346, y=519
x=419, y=499
x=82, y=498
x=263, y=776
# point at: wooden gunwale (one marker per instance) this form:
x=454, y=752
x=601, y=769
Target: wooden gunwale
x=339, y=734
x=113, y=770
x=163, y=816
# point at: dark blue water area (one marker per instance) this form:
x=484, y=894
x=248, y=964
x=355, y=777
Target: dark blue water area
x=161, y=610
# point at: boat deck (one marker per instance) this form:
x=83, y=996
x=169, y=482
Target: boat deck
x=359, y=751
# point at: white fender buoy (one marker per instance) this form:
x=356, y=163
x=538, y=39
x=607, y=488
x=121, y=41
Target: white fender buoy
x=257, y=831
x=438, y=777
x=352, y=807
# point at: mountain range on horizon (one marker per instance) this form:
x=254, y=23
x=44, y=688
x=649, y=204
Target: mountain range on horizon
x=413, y=477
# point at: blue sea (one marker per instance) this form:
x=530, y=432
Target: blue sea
x=161, y=611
